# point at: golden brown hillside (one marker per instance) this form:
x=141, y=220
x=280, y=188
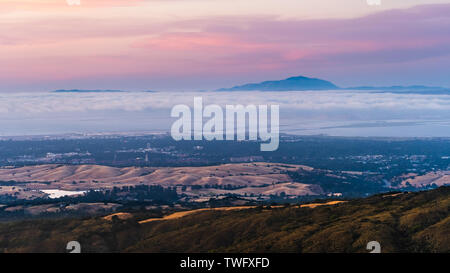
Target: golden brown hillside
x=85, y=177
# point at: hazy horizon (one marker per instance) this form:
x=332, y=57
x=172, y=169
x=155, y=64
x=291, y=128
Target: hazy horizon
x=197, y=45
x=339, y=113
x=182, y=47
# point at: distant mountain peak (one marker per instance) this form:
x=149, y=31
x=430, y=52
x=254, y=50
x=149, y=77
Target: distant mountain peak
x=297, y=83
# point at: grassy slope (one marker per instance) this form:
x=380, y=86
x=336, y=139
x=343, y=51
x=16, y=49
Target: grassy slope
x=413, y=222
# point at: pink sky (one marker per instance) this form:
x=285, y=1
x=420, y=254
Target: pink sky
x=199, y=44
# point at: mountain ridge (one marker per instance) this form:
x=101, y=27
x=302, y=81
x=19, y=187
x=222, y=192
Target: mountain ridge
x=302, y=83
x=298, y=83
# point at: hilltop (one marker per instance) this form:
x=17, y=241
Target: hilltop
x=299, y=83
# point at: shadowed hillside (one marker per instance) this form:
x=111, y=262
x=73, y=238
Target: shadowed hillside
x=402, y=222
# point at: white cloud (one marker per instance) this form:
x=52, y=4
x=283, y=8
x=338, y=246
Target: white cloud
x=138, y=101
x=32, y=113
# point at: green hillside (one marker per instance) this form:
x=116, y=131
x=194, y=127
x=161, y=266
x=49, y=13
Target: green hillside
x=410, y=222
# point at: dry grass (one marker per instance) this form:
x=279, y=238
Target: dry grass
x=314, y=205
x=180, y=214
x=84, y=177
x=120, y=215
x=440, y=178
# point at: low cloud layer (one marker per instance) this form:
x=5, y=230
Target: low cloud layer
x=45, y=113
x=313, y=101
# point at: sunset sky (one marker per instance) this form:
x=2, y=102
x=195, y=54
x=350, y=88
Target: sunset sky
x=208, y=44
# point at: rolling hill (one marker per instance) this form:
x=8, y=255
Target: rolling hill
x=400, y=222
x=244, y=178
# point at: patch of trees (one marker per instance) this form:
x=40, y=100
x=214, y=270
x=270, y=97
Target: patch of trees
x=132, y=193
x=215, y=186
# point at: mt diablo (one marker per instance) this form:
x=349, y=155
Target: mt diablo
x=290, y=84
x=301, y=83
